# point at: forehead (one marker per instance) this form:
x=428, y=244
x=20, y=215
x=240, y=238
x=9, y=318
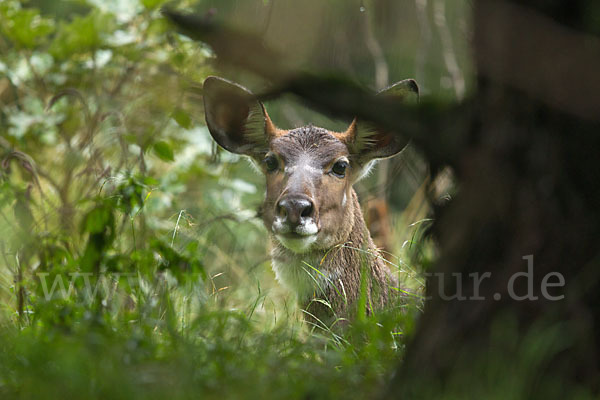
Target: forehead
x=309, y=141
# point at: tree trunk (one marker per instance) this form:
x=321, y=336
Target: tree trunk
x=527, y=207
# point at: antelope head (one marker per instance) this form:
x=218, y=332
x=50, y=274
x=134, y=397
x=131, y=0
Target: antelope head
x=309, y=203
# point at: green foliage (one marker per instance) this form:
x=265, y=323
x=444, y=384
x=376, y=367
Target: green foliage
x=25, y=27
x=152, y=4
x=164, y=151
x=132, y=261
x=82, y=35
x=182, y=118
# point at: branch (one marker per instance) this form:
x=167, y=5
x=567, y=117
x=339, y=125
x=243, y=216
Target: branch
x=519, y=47
x=336, y=95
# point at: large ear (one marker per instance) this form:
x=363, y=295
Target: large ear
x=235, y=119
x=367, y=141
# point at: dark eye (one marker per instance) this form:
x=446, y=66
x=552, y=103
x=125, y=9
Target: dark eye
x=271, y=163
x=339, y=168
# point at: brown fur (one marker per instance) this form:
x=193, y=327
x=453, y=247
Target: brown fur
x=322, y=249
x=346, y=249
x=354, y=254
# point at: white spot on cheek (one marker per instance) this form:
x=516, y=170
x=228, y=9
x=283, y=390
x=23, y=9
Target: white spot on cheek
x=344, y=200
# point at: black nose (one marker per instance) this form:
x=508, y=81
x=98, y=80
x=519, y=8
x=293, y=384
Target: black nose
x=294, y=208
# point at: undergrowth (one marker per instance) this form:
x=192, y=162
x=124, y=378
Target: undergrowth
x=132, y=261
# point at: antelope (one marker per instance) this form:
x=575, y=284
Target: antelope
x=321, y=248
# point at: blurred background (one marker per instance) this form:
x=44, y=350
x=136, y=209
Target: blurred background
x=108, y=170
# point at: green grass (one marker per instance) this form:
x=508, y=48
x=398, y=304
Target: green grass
x=111, y=185
x=162, y=347
x=140, y=302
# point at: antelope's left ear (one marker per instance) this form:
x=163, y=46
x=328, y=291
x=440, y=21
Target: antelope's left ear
x=367, y=141
x=235, y=119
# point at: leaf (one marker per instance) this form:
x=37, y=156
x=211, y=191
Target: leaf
x=182, y=118
x=100, y=223
x=26, y=28
x=192, y=247
x=182, y=265
x=97, y=220
x=164, y=151
x=83, y=34
x=152, y=4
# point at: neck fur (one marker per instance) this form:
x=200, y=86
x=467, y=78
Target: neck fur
x=312, y=274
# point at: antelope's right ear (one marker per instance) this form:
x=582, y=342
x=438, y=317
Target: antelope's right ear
x=367, y=141
x=236, y=120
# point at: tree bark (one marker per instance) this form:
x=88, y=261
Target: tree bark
x=528, y=203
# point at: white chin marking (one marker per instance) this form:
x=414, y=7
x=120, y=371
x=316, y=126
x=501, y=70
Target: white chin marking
x=279, y=227
x=307, y=228
x=299, y=245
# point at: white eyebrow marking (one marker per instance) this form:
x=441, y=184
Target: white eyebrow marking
x=303, y=162
x=311, y=168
